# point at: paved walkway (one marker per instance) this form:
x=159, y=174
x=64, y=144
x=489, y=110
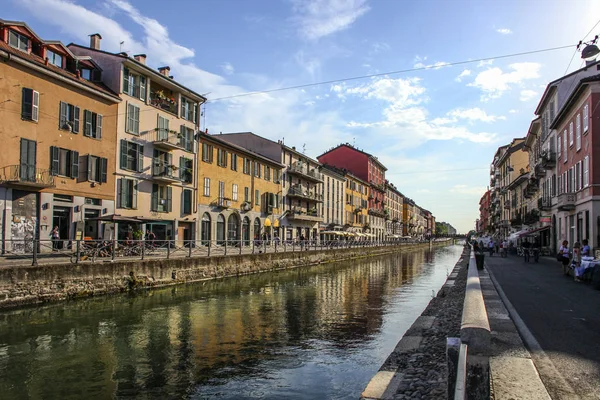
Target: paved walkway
x=559, y=321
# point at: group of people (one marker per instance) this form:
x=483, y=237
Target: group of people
x=569, y=259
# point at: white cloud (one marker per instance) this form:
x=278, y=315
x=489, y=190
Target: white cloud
x=463, y=74
x=513, y=111
x=228, y=68
x=420, y=63
x=319, y=18
x=474, y=114
x=310, y=65
x=504, y=31
x=378, y=47
x=484, y=63
x=527, y=95
x=493, y=82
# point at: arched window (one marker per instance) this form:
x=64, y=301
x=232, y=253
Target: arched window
x=205, y=229
x=221, y=229
x=233, y=229
x=246, y=231
x=256, y=228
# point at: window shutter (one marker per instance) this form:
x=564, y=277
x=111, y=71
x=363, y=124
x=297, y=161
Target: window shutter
x=123, y=157
x=187, y=201
x=169, y=159
x=76, y=111
x=88, y=175
x=98, y=126
x=54, y=161
x=140, y=158
x=134, y=192
x=119, y=192
x=26, y=103
x=87, y=123
x=62, y=121
x=128, y=123
x=137, y=119
x=210, y=153
x=182, y=168
x=103, y=170
x=143, y=88
x=169, y=199
x=154, y=198
x=125, y=80
x=36, y=106
x=24, y=157
x=189, y=139
x=74, y=164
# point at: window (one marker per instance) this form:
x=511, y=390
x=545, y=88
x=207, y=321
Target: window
x=186, y=169
x=69, y=117
x=133, y=119
x=257, y=169
x=134, y=84
x=127, y=190
x=207, y=153
x=207, y=187
x=86, y=74
x=234, y=159
x=221, y=158
x=54, y=59
x=565, y=152
x=586, y=118
x=162, y=164
x=559, y=146
x=570, y=134
x=221, y=190
x=267, y=173
x=96, y=169
x=18, y=41
x=188, y=109
x=28, y=160
x=64, y=162
x=578, y=132
x=257, y=197
x=163, y=128
x=247, y=164
x=234, y=192
x=93, y=124
x=186, y=138
x=132, y=156
x=577, y=170
x=247, y=194
x=161, y=199
x=186, y=200
x=586, y=171
x=30, y=104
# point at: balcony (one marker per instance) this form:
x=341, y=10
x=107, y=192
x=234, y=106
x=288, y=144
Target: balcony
x=300, y=192
x=358, y=210
x=223, y=202
x=303, y=170
x=545, y=203
x=507, y=204
x=377, y=212
x=539, y=171
x=566, y=201
x=26, y=176
x=301, y=214
x=163, y=98
x=164, y=172
x=167, y=140
x=548, y=159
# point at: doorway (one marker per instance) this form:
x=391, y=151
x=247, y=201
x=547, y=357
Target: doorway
x=90, y=228
x=60, y=218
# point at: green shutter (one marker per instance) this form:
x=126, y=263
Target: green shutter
x=123, y=157
x=140, y=158
x=169, y=199
x=103, y=170
x=26, y=103
x=62, y=120
x=88, y=175
x=98, y=126
x=134, y=192
x=187, y=201
x=87, y=123
x=154, y=198
x=54, y=160
x=119, y=193
x=182, y=169
x=74, y=164
x=125, y=80
x=76, y=112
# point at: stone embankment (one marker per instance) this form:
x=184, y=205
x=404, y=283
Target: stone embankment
x=417, y=368
x=25, y=285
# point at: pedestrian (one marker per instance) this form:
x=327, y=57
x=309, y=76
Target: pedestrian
x=563, y=256
x=55, y=235
x=302, y=242
x=526, y=247
x=576, y=261
x=586, y=251
x=496, y=246
x=491, y=247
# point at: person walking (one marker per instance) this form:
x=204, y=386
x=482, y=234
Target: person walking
x=526, y=250
x=55, y=235
x=491, y=247
x=564, y=256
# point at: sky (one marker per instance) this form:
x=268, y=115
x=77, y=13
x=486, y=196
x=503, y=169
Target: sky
x=435, y=129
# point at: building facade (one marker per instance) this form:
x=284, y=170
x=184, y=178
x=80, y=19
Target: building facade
x=394, y=205
x=368, y=168
x=356, y=204
x=239, y=196
x=156, y=163
x=59, y=135
x=333, y=191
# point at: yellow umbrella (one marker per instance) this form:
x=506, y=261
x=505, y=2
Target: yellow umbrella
x=267, y=222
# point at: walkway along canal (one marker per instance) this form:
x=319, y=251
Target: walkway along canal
x=314, y=332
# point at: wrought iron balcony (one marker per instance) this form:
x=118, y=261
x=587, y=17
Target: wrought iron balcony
x=566, y=201
x=303, y=170
x=545, y=203
x=303, y=193
x=164, y=172
x=507, y=204
x=163, y=98
x=302, y=214
x=539, y=171
x=223, y=202
x=167, y=140
x=548, y=159
x=26, y=175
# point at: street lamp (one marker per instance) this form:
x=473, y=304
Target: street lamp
x=590, y=51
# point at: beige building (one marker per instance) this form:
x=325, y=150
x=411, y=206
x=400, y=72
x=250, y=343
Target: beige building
x=333, y=191
x=58, y=135
x=394, y=208
x=156, y=163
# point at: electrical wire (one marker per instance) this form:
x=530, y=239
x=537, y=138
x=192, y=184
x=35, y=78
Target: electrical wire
x=402, y=71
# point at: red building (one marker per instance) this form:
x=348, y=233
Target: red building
x=484, y=213
x=368, y=168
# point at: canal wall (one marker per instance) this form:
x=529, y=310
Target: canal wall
x=27, y=285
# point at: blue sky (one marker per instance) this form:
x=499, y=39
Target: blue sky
x=436, y=130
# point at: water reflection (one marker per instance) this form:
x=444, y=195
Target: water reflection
x=320, y=332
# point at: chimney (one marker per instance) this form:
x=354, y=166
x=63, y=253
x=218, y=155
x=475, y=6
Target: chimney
x=164, y=70
x=95, y=39
x=141, y=58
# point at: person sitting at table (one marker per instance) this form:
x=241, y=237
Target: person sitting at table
x=586, y=251
x=576, y=262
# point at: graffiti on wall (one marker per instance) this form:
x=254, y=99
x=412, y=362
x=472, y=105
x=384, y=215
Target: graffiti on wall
x=24, y=221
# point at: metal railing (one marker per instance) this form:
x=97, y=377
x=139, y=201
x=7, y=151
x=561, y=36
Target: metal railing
x=34, y=251
x=26, y=175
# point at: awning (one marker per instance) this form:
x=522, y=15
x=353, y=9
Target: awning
x=535, y=231
x=267, y=222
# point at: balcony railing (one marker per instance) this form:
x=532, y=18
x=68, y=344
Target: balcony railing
x=303, y=193
x=303, y=170
x=223, y=202
x=566, y=201
x=548, y=159
x=507, y=204
x=165, y=172
x=163, y=99
x=166, y=140
x=539, y=171
x=377, y=212
x=26, y=175
x=545, y=203
x=303, y=214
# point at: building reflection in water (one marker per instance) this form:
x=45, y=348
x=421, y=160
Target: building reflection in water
x=190, y=340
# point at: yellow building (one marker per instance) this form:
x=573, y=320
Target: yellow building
x=58, y=134
x=357, y=202
x=239, y=192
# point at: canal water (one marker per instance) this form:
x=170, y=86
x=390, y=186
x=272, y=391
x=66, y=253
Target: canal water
x=310, y=333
